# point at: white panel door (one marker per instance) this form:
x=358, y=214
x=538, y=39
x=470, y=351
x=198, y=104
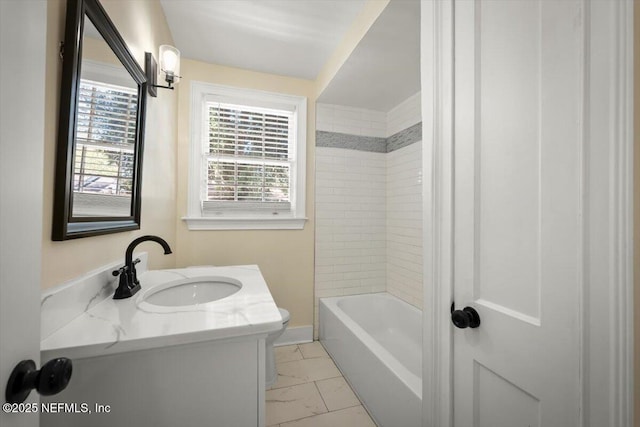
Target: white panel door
x=22, y=99
x=517, y=203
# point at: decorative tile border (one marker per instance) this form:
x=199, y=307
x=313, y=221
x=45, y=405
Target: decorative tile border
x=351, y=142
x=369, y=143
x=404, y=137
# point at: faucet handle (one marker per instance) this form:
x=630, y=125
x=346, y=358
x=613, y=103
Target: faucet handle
x=122, y=269
x=119, y=271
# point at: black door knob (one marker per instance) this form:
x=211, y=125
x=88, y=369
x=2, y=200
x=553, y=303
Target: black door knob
x=468, y=317
x=52, y=378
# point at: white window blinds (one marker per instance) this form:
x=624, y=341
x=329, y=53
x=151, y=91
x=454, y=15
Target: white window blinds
x=104, y=149
x=248, y=157
x=105, y=136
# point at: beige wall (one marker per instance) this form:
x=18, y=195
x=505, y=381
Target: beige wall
x=143, y=26
x=636, y=195
x=285, y=257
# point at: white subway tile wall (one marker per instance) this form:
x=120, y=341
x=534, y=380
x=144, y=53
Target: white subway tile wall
x=358, y=121
x=350, y=223
x=352, y=121
x=405, y=115
x=404, y=223
x=368, y=208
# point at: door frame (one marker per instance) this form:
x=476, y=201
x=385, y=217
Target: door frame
x=607, y=250
x=23, y=133
x=436, y=63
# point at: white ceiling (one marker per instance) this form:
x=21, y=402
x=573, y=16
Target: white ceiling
x=384, y=69
x=287, y=37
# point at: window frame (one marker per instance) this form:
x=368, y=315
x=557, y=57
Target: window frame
x=201, y=94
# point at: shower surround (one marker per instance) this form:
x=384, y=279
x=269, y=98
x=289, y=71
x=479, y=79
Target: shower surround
x=369, y=202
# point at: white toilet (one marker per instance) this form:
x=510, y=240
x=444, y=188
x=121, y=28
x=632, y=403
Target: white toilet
x=270, y=359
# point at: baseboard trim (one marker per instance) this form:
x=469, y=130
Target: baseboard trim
x=295, y=335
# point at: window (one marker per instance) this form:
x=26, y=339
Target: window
x=247, y=163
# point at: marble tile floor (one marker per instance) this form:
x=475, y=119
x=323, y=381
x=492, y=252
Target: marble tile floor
x=311, y=392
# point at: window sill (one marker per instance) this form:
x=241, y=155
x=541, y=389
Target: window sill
x=246, y=223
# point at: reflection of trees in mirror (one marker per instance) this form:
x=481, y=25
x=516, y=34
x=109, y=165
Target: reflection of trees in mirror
x=248, y=154
x=105, y=136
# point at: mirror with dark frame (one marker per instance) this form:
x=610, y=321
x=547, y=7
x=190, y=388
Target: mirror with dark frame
x=101, y=129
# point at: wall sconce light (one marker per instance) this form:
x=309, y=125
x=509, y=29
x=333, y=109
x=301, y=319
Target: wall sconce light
x=169, y=66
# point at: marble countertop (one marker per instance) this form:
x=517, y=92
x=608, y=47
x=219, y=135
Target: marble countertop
x=117, y=326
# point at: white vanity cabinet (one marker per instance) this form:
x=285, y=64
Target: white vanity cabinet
x=140, y=364
x=212, y=383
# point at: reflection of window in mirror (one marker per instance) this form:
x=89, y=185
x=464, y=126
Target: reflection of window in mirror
x=105, y=132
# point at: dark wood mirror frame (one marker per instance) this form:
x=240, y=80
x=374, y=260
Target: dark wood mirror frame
x=64, y=225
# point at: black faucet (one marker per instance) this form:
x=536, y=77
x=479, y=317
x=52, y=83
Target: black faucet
x=129, y=284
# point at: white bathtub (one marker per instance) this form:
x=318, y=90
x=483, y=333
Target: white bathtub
x=376, y=341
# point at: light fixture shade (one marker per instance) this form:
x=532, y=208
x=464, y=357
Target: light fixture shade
x=170, y=63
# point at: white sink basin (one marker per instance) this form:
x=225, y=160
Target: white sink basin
x=191, y=291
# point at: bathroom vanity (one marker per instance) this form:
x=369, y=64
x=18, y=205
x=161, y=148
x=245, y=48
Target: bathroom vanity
x=186, y=350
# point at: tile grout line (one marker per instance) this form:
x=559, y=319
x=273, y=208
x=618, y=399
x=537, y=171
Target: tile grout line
x=324, y=413
x=360, y=403
x=341, y=376
x=322, y=397
x=350, y=389
x=300, y=350
x=315, y=383
x=314, y=415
